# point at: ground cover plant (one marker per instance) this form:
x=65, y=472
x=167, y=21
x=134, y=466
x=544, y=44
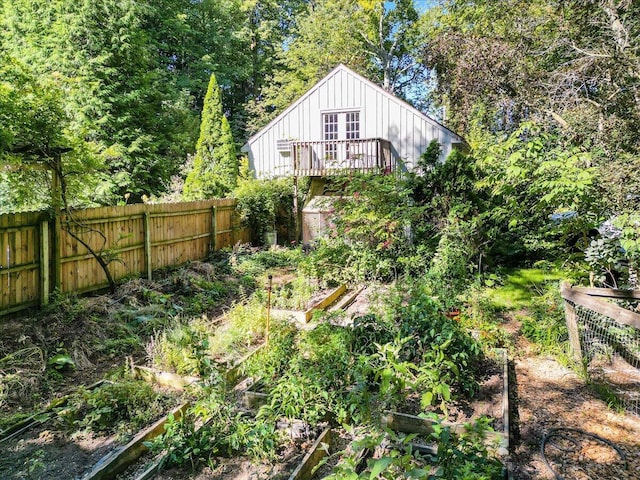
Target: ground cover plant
x=182, y=348
x=340, y=375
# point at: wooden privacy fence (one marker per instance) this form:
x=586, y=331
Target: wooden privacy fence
x=39, y=254
x=604, y=336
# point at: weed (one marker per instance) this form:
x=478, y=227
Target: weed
x=124, y=406
x=465, y=455
x=293, y=295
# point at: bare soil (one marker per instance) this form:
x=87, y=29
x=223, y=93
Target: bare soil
x=547, y=395
x=47, y=454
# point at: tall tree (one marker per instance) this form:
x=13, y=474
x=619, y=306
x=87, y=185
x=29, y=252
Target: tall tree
x=134, y=76
x=375, y=38
x=37, y=143
x=215, y=167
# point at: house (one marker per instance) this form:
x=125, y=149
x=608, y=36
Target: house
x=345, y=122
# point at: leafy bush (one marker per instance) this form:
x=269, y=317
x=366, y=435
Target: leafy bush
x=458, y=457
x=263, y=204
x=125, y=406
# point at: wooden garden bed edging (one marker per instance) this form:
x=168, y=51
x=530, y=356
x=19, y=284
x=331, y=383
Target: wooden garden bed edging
x=402, y=422
x=117, y=462
x=348, y=299
x=323, y=304
x=35, y=419
x=254, y=399
x=316, y=453
x=179, y=382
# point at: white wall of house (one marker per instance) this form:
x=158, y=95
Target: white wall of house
x=381, y=115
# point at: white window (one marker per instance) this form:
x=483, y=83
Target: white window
x=352, y=123
x=330, y=132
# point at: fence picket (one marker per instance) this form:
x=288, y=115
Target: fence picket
x=141, y=238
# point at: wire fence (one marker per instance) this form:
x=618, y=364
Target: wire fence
x=608, y=348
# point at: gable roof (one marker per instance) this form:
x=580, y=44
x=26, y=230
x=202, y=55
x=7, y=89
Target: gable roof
x=344, y=68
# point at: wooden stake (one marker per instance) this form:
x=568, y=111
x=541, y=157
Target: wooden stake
x=268, y=308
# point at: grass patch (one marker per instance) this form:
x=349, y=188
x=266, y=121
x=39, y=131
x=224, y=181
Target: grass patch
x=520, y=286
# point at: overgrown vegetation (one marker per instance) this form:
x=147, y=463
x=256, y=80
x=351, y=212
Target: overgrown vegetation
x=344, y=376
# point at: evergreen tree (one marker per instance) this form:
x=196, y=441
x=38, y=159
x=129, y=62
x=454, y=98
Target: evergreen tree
x=215, y=167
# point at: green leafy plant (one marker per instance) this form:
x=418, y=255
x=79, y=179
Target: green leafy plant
x=125, y=406
x=464, y=456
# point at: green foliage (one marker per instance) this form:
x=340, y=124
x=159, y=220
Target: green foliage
x=294, y=295
x=213, y=428
x=372, y=232
x=34, y=131
x=215, y=167
x=458, y=456
x=203, y=348
x=465, y=456
x=263, y=204
x=61, y=361
x=529, y=176
x=125, y=407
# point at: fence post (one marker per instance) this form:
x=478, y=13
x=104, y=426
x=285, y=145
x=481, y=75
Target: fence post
x=44, y=262
x=572, y=326
x=214, y=232
x=147, y=245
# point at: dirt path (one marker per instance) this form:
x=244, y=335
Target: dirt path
x=546, y=395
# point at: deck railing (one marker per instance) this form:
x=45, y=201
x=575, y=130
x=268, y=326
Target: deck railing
x=329, y=157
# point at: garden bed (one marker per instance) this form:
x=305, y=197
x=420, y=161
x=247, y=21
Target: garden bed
x=491, y=401
x=67, y=440
x=319, y=302
x=295, y=461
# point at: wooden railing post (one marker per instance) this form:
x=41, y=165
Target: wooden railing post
x=44, y=263
x=572, y=324
x=148, y=245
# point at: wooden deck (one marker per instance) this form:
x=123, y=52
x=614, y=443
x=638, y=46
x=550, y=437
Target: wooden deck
x=336, y=157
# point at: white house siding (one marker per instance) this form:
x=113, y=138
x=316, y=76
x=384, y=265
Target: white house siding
x=381, y=116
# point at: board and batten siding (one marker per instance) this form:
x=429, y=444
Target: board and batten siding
x=382, y=115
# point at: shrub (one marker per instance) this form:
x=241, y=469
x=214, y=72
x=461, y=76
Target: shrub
x=263, y=204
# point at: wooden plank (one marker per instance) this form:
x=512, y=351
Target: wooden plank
x=20, y=268
x=254, y=400
x=117, y=462
x=403, y=422
x=608, y=292
x=233, y=374
x=105, y=220
x=348, y=299
x=180, y=213
x=619, y=314
x=17, y=308
x=112, y=251
x=214, y=226
x=503, y=449
x=313, y=457
x=11, y=259
x=174, y=241
x=147, y=246
x=57, y=252
x=325, y=302
x=20, y=228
